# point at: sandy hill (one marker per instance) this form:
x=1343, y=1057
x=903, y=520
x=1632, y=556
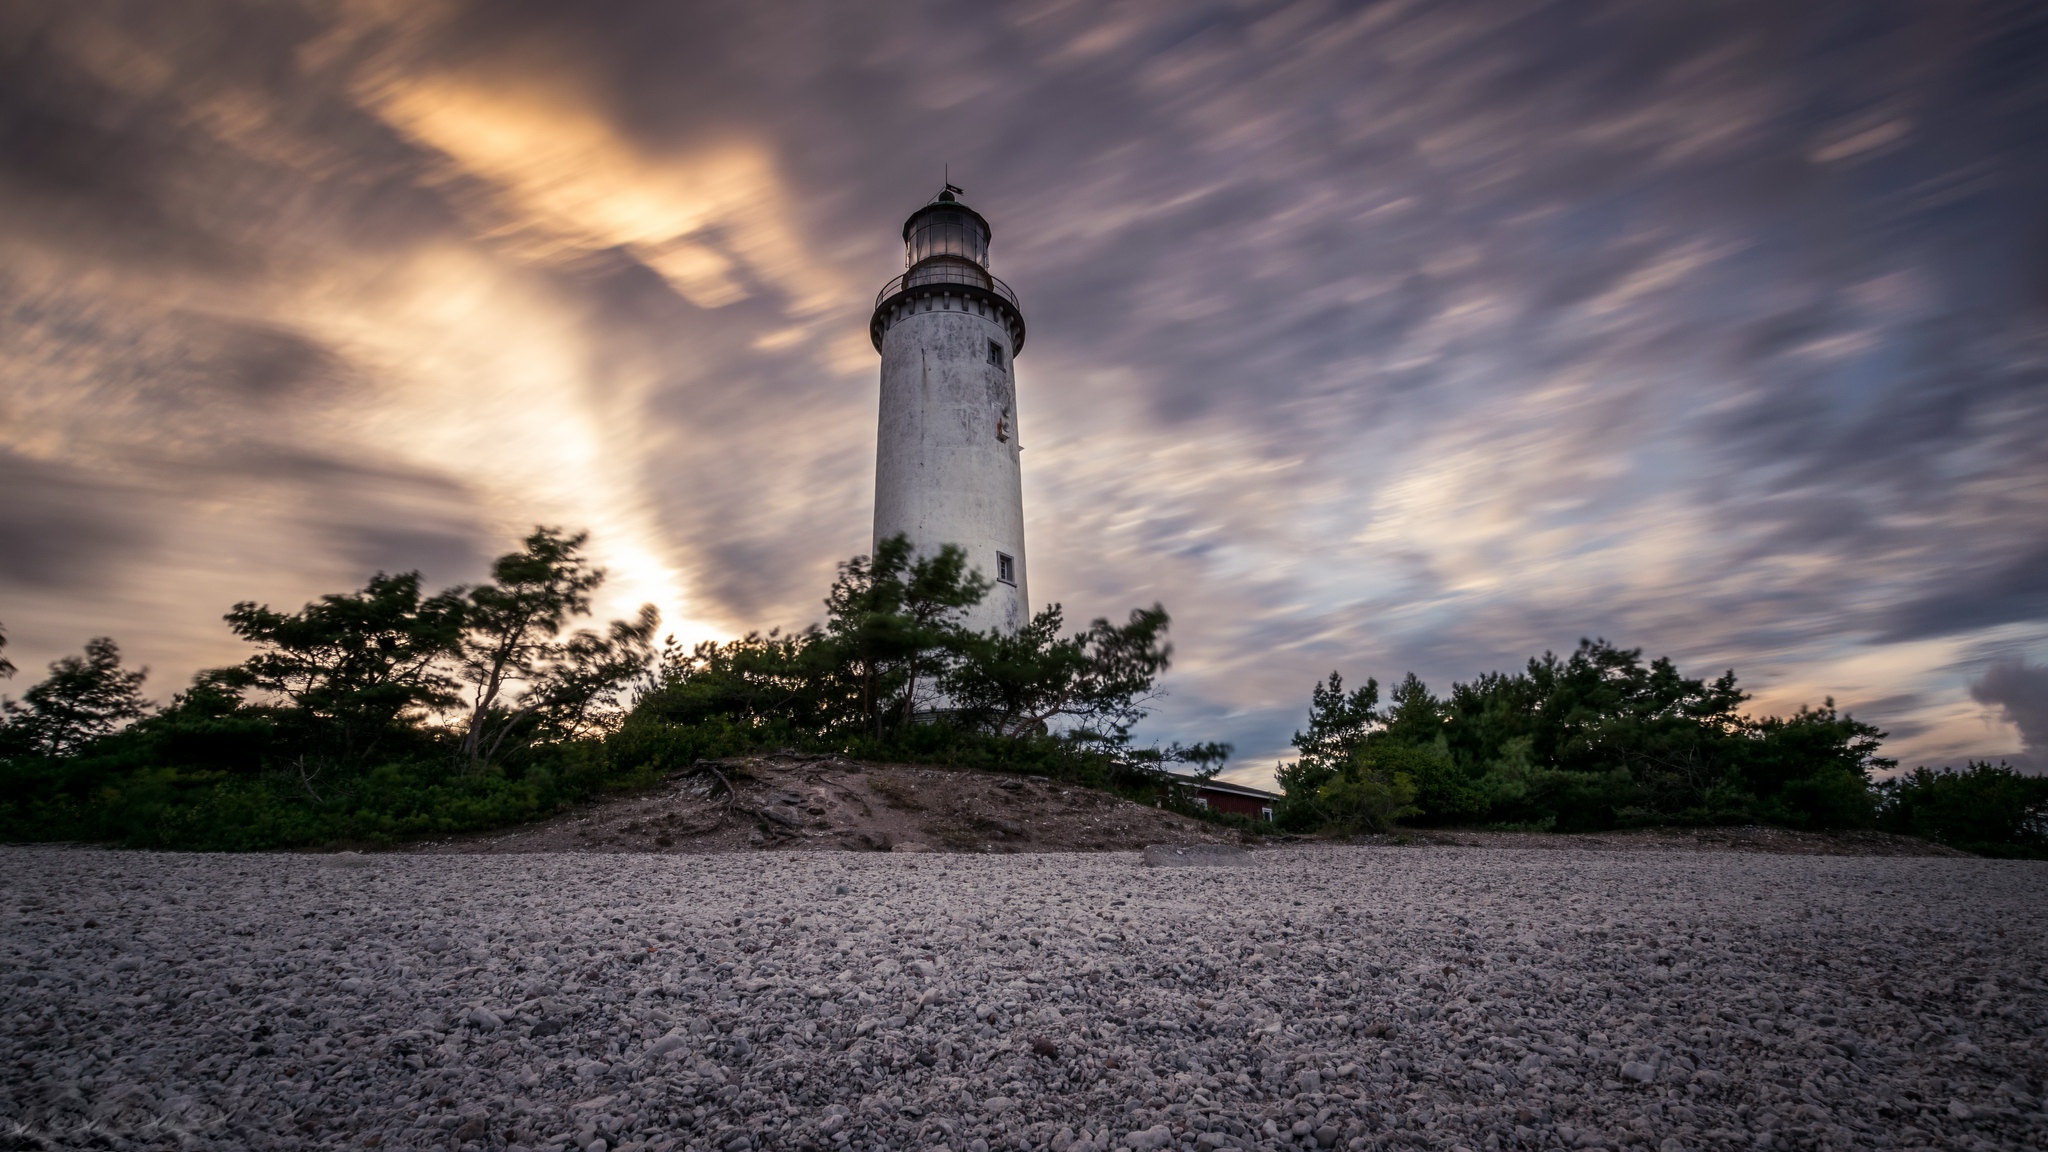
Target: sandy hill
x=794, y=802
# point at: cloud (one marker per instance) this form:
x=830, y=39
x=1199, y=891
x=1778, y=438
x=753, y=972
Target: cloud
x=2019, y=691
x=1387, y=337
x=61, y=528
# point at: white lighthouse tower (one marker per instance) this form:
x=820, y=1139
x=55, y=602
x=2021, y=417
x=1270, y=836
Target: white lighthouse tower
x=947, y=465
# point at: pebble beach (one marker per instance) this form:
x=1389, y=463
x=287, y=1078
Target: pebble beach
x=1305, y=997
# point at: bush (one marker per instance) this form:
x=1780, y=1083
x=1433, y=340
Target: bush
x=1600, y=739
x=1367, y=799
x=1992, y=811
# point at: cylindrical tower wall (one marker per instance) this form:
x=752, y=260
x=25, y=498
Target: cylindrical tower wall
x=947, y=467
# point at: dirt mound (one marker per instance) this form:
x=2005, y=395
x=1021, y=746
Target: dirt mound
x=792, y=802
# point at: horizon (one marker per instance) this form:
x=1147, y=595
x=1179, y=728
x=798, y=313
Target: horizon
x=1363, y=338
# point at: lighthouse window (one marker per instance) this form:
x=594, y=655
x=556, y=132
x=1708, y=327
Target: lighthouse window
x=995, y=354
x=1006, y=569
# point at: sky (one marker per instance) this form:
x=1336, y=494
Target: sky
x=1366, y=337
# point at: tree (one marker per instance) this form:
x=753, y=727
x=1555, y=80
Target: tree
x=581, y=692
x=1415, y=716
x=1814, y=767
x=85, y=698
x=1992, y=810
x=1368, y=795
x=1096, y=681
x=893, y=621
x=769, y=683
x=356, y=664
x=510, y=625
x=1337, y=726
x=6, y=665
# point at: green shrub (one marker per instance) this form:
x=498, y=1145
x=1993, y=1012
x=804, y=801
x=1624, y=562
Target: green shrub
x=1992, y=811
x=1367, y=799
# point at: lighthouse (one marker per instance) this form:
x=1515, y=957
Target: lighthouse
x=947, y=458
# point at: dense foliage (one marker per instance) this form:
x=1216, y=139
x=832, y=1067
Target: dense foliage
x=387, y=712
x=1983, y=808
x=370, y=715
x=1601, y=739
x=894, y=674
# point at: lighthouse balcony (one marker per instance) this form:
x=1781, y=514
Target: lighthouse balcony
x=945, y=272
x=947, y=284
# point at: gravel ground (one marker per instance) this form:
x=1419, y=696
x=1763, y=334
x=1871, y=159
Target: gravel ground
x=1355, y=997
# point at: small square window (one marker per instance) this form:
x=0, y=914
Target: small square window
x=1006, y=569
x=995, y=354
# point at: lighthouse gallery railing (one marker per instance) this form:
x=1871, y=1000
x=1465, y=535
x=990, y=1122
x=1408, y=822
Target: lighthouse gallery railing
x=935, y=274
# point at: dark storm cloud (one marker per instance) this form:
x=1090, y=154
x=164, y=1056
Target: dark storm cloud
x=2019, y=690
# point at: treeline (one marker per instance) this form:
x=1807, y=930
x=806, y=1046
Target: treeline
x=389, y=713
x=1601, y=740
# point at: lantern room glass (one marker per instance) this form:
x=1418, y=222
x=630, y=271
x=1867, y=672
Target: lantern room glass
x=943, y=231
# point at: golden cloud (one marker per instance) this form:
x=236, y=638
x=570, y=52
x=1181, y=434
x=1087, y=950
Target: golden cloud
x=563, y=178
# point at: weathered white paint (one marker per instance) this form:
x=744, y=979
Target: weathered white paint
x=948, y=462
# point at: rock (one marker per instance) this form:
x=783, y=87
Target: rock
x=1638, y=1072
x=1195, y=856
x=1310, y=1081
x=996, y=1105
x=485, y=1019
x=667, y=1044
x=1146, y=1140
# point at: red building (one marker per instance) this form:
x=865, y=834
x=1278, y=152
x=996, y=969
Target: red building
x=1223, y=796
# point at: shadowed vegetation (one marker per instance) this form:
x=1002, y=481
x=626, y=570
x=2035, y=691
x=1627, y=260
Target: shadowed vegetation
x=1602, y=740
x=390, y=713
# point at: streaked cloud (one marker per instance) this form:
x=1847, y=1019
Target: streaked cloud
x=1376, y=336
